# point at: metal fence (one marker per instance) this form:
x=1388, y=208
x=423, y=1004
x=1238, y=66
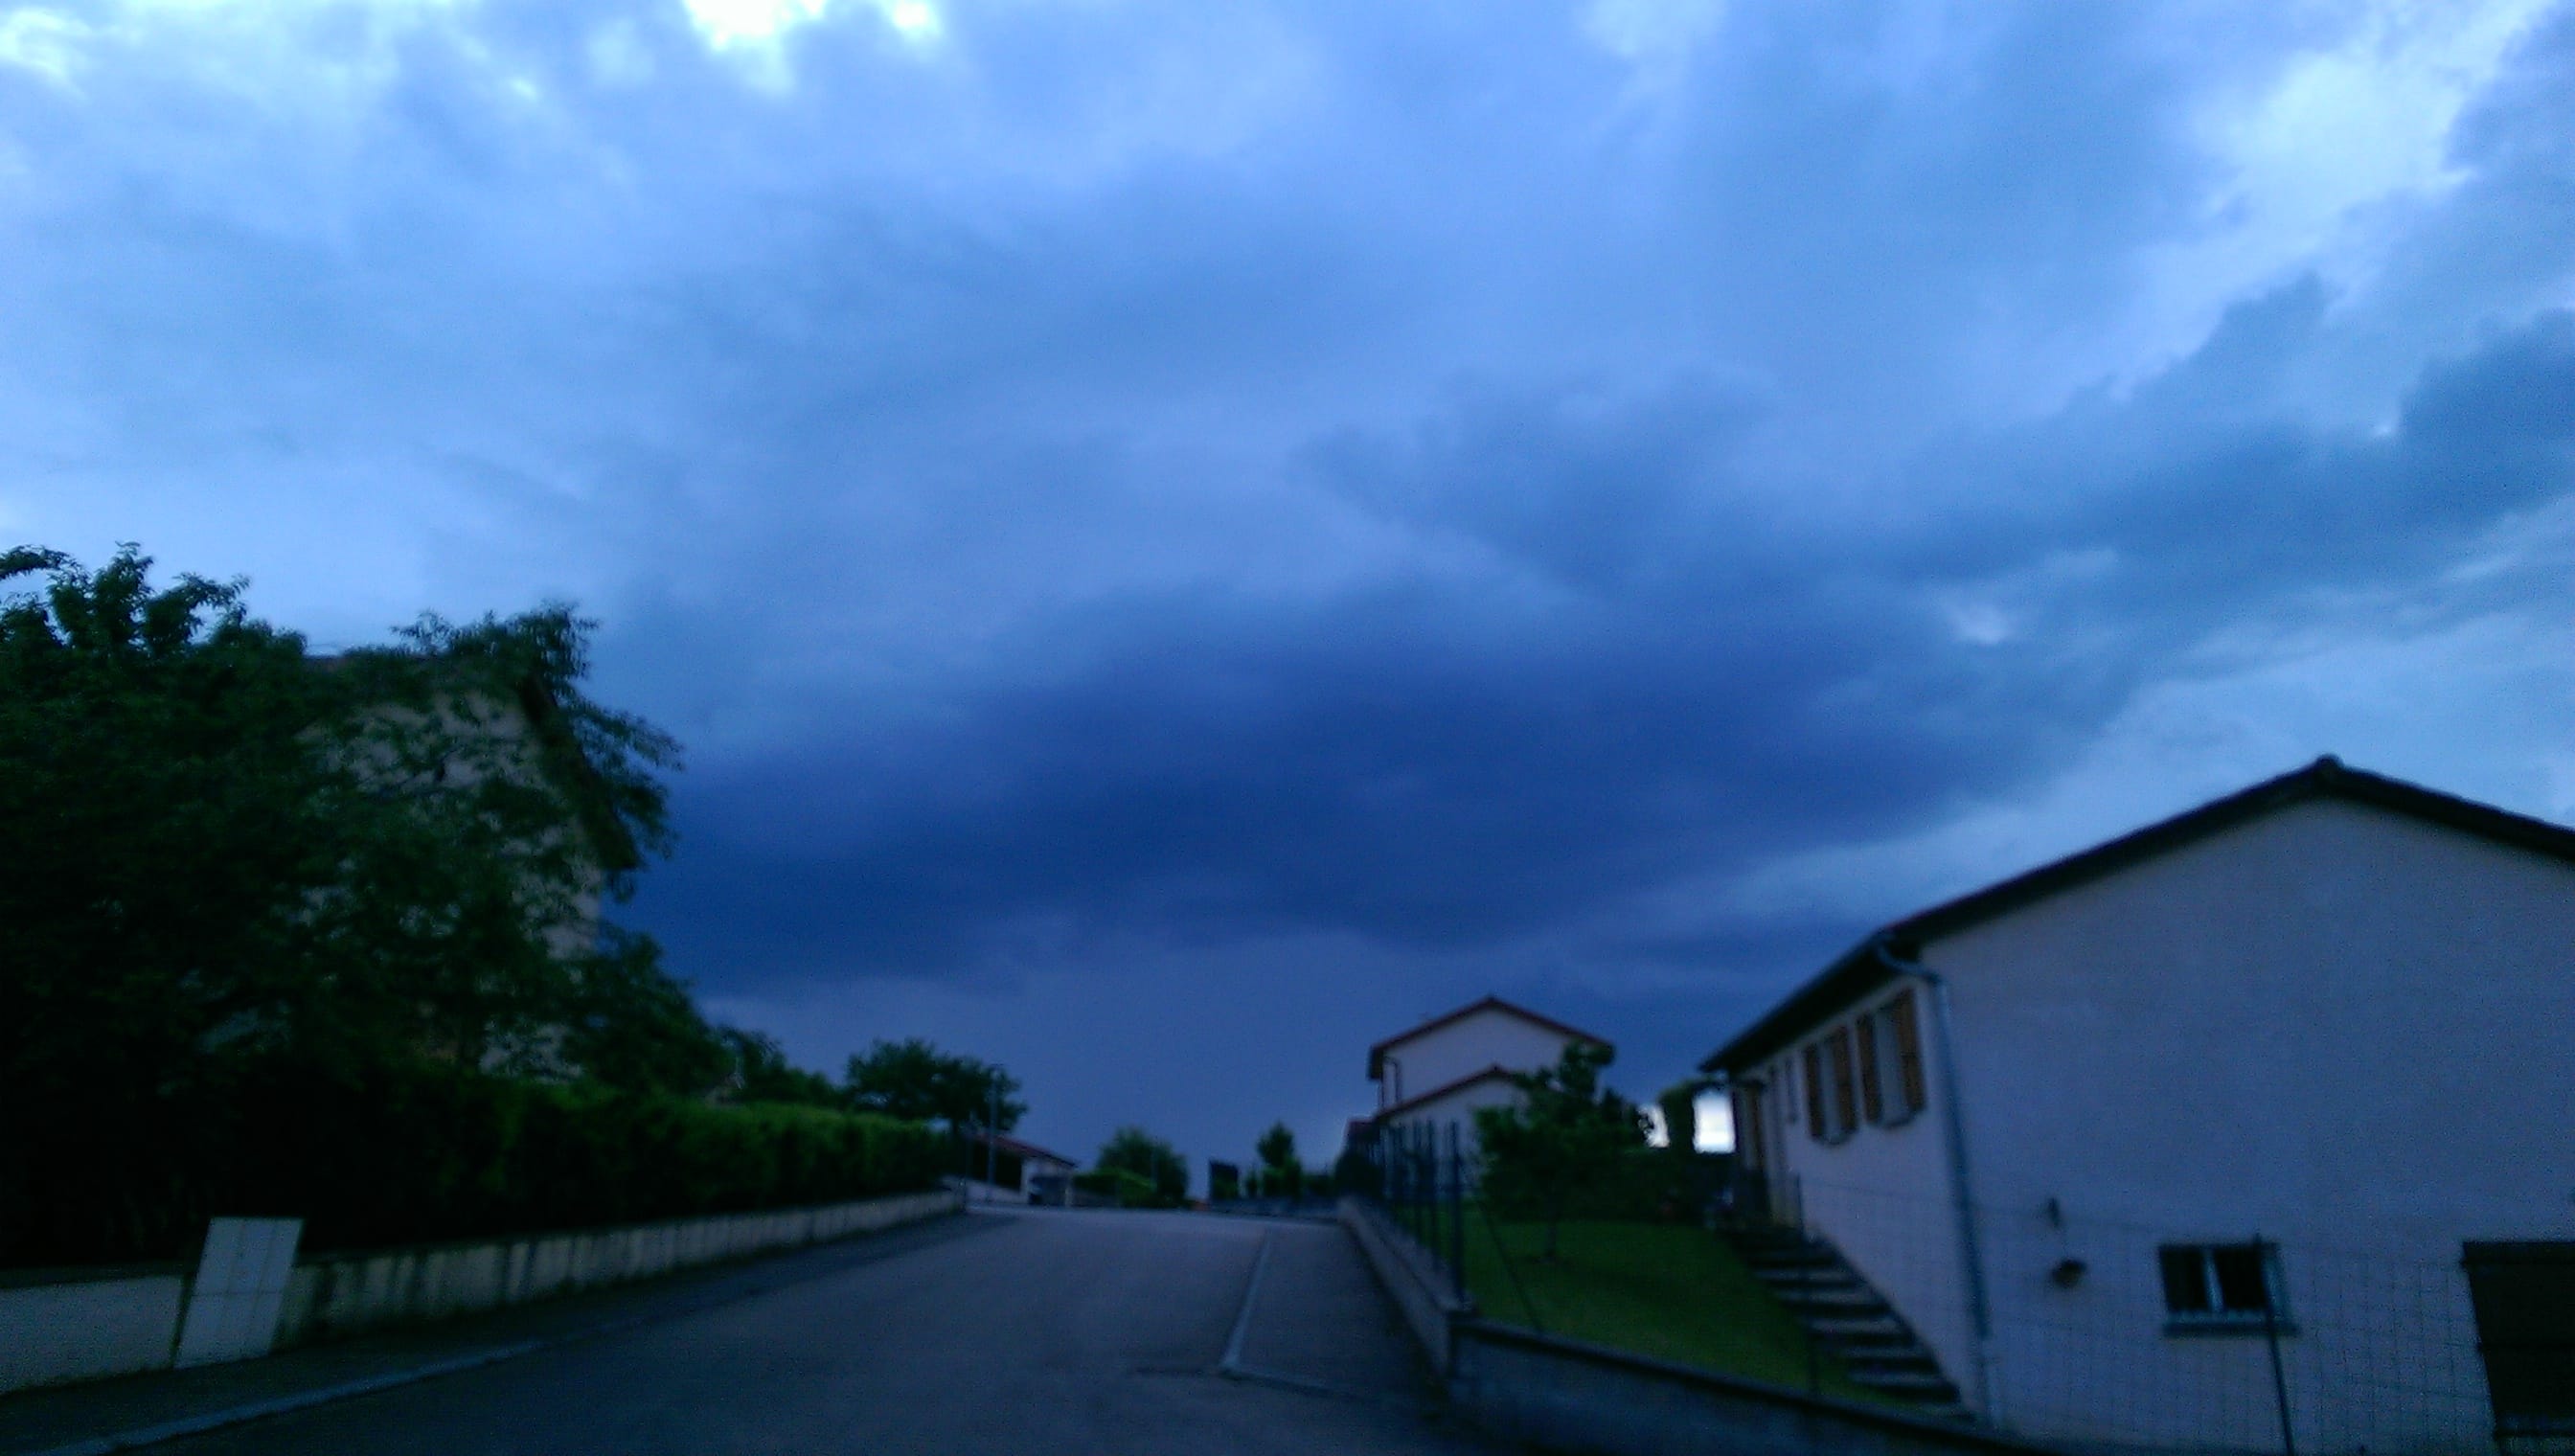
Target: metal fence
x=2090, y=1333
x=1420, y=1175
x=2071, y=1325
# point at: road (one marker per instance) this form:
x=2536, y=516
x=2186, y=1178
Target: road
x=1041, y=1331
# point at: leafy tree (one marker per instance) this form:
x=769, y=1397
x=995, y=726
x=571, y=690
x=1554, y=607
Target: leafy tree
x=1281, y=1174
x=1566, y=1136
x=1134, y=1150
x=913, y=1080
x=1225, y=1181
x=225, y=851
x=761, y=1072
x=630, y=1024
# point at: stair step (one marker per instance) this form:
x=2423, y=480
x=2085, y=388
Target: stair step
x=1844, y=1315
x=1843, y=1329
x=1776, y=1280
x=1850, y=1302
x=1916, y=1384
x=1902, y=1362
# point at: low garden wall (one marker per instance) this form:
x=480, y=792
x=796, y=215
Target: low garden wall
x=61, y=1325
x=1422, y=1294
x=76, y=1326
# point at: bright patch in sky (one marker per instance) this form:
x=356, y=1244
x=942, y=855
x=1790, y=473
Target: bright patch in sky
x=2313, y=160
x=40, y=41
x=730, y=23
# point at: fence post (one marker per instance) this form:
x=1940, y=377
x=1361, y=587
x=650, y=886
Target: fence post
x=2271, y=1288
x=1806, y=1290
x=1456, y=1216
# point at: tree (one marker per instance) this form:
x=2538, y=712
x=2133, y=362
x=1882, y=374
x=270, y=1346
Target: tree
x=1281, y=1174
x=912, y=1078
x=630, y=1024
x=224, y=852
x=761, y=1073
x=1134, y=1150
x=1565, y=1137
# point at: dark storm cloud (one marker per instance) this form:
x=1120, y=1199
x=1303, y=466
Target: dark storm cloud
x=1629, y=682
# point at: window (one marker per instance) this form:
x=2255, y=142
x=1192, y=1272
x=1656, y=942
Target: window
x=1814, y=1092
x=2220, y=1286
x=1837, y=1052
x=1907, y=1026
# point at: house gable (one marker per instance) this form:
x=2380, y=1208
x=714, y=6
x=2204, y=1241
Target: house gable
x=1494, y=1006
x=1871, y=963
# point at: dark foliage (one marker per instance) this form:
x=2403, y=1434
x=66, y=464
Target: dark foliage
x=913, y=1080
x=393, y=1156
x=1134, y=1150
x=1567, y=1141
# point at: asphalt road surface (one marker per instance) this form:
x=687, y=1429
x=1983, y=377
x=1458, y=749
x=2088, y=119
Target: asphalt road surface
x=1040, y=1332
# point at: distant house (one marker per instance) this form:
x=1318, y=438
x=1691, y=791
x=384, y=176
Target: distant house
x=1441, y=1072
x=2294, y=1069
x=1015, y=1167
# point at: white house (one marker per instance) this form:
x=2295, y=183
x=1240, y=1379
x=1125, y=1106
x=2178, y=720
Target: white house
x=2290, y=1071
x=1440, y=1073
x=1023, y=1171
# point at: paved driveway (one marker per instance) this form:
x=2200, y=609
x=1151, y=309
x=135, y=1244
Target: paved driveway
x=1041, y=1331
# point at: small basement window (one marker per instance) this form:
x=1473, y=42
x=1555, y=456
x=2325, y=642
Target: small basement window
x=2221, y=1287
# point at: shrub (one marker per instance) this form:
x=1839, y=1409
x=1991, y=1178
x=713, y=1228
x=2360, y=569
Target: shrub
x=1130, y=1189
x=424, y=1153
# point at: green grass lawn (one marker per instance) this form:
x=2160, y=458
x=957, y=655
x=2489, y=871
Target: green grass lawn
x=1672, y=1292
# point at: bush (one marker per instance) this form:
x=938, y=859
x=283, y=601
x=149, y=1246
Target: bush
x=1130, y=1189
x=426, y=1153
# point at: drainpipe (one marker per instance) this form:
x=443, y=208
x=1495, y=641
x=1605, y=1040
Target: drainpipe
x=1978, y=1311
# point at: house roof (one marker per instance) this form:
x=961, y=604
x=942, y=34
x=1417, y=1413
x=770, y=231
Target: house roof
x=1864, y=966
x=1010, y=1144
x=1438, y=1093
x=1377, y=1053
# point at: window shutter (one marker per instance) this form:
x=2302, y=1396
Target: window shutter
x=1908, y=1051
x=1838, y=1048
x=1747, y=1125
x=1814, y=1092
x=1873, y=1097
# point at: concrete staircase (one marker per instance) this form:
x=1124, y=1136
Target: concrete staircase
x=1846, y=1317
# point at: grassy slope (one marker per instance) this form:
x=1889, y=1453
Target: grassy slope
x=1672, y=1292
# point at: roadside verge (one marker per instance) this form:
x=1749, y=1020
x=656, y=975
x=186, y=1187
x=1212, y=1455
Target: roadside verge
x=1558, y=1394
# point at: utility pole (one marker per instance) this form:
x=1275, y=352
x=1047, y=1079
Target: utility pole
x=991, y=1143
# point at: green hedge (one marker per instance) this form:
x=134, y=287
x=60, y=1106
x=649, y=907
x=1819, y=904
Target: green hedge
x=1131, y=1189
x=424, y=1154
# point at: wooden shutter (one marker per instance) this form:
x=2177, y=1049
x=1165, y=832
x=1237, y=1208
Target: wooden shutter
x=1837, y=1051
x=1814, y=1092
x=1908, y=1051
x=1747, y=1125
x=1873, y=1097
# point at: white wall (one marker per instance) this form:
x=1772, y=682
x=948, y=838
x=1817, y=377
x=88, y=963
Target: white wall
x=1459, y=1108
x=2340, y=1028
x=85, y=1329
x=1464, y=1047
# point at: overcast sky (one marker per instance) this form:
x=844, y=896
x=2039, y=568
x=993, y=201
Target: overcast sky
x=1182, y=537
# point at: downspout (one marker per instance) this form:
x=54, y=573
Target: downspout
x=1978, y=1311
